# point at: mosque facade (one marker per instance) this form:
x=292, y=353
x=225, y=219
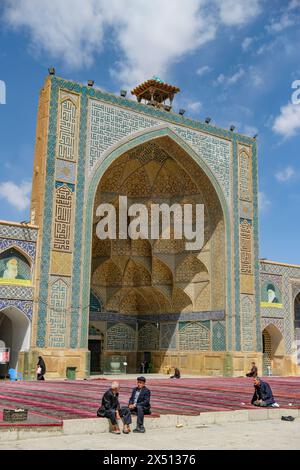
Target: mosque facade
x=95, y=305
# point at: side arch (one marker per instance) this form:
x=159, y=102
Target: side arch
x=15, y=330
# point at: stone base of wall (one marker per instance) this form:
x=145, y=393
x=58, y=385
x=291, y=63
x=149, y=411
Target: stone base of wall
x=205, y=363
x=197, y=363
x=57, y=361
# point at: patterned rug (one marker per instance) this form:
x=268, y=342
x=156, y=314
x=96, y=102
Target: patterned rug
x=50, y=402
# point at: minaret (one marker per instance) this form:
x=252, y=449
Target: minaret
x=155, y=92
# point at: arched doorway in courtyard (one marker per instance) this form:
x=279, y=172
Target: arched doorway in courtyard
x=14, y=334
x=147, y=287
x=273, y=350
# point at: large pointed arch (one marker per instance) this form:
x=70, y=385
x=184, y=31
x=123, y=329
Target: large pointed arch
x=99, y=170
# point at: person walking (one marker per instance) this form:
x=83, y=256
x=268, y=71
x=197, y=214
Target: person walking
x=41, y=369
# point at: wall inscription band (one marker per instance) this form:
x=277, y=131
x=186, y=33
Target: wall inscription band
x=67, y=130
x=63, y=219
x=246, y=230
x=245, y=174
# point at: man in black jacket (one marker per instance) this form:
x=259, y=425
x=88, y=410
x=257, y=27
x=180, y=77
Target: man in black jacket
x=263, y=395
x=139, y=403
x=110, y=408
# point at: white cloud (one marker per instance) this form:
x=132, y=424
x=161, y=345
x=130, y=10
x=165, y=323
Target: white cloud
x=232, y=80
x=202, y=70
x=191, y=106
x=277, y=26
x=256, y=76
x=64, y=29
x=285, y=175
x=194, y=106
x=236, y=77
x=288, y=122
x=263, y=202
x=16, y=195
x=247, y=43
x=238, y=12
x=148, y=35
x=294, y=4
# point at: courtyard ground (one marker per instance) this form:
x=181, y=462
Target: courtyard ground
x=275, y=434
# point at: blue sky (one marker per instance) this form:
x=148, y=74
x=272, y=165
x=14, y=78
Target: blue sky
x=234, y=60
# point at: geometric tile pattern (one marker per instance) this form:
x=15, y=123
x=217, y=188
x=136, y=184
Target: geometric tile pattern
x=57, y=314
x=287, y=273
x=16, y=292
x=80, y=316
x=18, y=233
x=120, y=337
x=19, y=241
x=168, y=335
x=218, y=336
x=193, y=336
x=109, y=125
x=272, y=312
x=162, y=317
x=248, y=323
x=47, y=218
x=148, y=337
x=215, y=152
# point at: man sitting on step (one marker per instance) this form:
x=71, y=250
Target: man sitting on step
x=139, y=403
x=110, y=408
x=263, y=395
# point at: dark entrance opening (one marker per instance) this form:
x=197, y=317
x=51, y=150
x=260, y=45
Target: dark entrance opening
x=95, y=347
x=147, y=362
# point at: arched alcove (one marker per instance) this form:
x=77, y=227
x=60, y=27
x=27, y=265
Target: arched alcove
x=14, y=332
x=273, y=349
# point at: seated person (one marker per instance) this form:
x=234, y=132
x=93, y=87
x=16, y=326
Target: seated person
x=139, y=403
x=263, y=395
x=253, y=371
x=110, y=408
x=176, y=374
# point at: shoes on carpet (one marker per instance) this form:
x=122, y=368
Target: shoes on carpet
x=139, y=429
x=275, y=405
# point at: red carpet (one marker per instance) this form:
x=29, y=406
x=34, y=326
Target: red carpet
x=50, y=402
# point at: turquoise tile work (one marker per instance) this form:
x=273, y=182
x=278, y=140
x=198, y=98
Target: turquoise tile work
x=218, y=336
x=47, y=222
x=109, y=126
